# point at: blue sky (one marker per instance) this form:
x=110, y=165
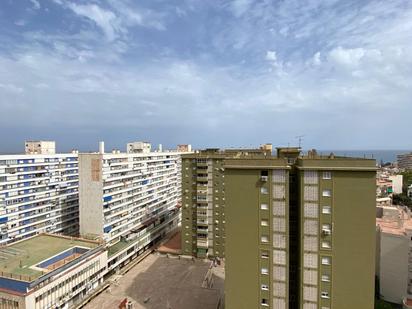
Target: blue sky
x=209, y=73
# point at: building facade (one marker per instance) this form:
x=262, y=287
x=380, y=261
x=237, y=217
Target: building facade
x=40, y=147
x=203, y=201
x=38, y=193
x=130, y=200
x=257, y=237
x=394, y=255
x=405, y=161
x=297, y=230
x=139, y=147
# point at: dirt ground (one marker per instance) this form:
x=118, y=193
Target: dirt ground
x=173, y=245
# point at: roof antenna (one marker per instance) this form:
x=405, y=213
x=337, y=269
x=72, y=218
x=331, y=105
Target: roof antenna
x=300, y=139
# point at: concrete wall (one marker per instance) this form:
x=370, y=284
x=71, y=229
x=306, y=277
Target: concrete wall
x=242, y=240
x=354, y=239
x=90, y=194
x=394, y=251
x=6, y=298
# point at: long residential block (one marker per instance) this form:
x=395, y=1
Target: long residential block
x=129, y=200
x=38, y=193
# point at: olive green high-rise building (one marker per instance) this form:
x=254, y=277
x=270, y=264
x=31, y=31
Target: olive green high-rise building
x=296, y=231
x=203, y=199
x=300, y=232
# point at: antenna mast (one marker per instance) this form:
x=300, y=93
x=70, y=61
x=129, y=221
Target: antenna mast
x=300, y=139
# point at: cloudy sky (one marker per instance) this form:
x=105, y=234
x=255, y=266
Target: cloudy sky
x=210, y=73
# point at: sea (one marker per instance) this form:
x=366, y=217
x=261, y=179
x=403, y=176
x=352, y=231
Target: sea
x=378, y=155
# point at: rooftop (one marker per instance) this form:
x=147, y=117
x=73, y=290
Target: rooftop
x=395, y=225
x=311, y=160
x=21, y=260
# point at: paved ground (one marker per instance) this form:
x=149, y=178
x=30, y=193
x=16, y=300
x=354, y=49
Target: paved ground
x=159, y=282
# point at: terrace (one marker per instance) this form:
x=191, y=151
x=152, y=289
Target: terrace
x=31, y=258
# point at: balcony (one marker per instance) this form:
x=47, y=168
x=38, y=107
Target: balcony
x=202, y=230
x=201, y=178
x=202, y=243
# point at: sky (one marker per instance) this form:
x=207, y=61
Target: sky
x=210, y=73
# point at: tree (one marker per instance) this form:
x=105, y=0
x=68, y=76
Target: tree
x=402, y=199
x=380, y=304
x=407, y=181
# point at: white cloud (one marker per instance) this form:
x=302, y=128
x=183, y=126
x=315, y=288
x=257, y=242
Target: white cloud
x=351, y=56
x=116, y=21
x=20, y=22
x=271, y=55
x=316, y=59
x=240, y=7
x=105, y=19
x=11, y=88
x=36, y=4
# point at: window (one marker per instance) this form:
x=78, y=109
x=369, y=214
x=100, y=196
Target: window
x=264, y=254
x=326, y=244
x=264, y=190
x=264, y=222
x=264, y=287
x=265, y=302
x=325, y=278
x=327, y=175
x=326, y=260
x=264, y=206
x=326, y=210
x=324, y=294
x=327, y=193
x=264, y=271
x=310, y=177
x=326, y=229
x=264, y=239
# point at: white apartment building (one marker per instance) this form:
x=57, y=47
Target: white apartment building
x=394, y=255
x=397, y=183
x=131, y=200
x=38, y=193
x=40, y=147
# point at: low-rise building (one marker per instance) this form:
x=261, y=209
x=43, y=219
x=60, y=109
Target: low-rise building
x=394, y=255
x=397, y=183
x=49, y=271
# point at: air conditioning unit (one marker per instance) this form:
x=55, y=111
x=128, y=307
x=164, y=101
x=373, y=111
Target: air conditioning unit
x=264, y=178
